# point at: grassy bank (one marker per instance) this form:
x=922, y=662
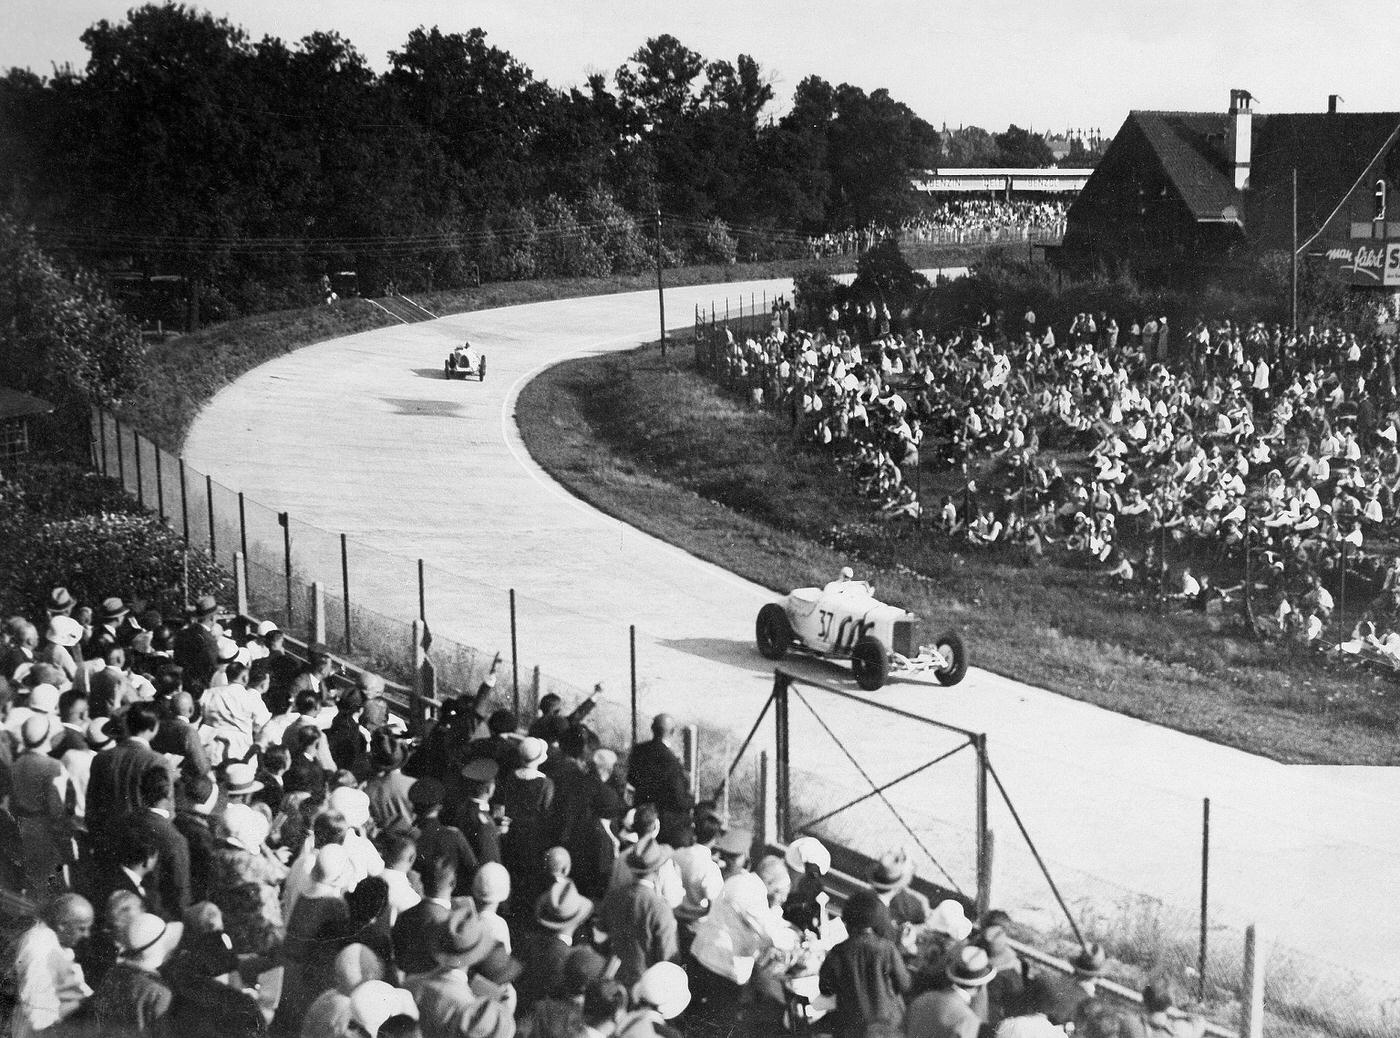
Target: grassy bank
x=660, y=447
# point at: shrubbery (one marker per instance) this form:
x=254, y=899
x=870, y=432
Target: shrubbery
x=62, y=526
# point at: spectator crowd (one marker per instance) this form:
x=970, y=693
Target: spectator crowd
x=1124, y=446
x=219, y=838
x=962, y=221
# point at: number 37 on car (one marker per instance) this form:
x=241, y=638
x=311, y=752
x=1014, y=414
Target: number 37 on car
x=844, y=621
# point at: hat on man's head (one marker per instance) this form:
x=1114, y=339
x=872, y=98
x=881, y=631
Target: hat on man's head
x=893, y=871
x=1090, y=961
x=370, y=684
x=43, y=699
x=246, y=826
x=210, y=955
x=645, y=858
x=267, y=627
x=948, y=917
x=151, y=937
x=351, y=804
x=808, y=850
x=970, y=967
x=865, y=911
x=374, y=1001
x=462, y=935
x=533, y=752
x=228, y=650
x=97, y=737
x=666, y=988
x=426, y=792
x=562, y=907
x=64, y=631
x=481, y=769
x=205, y=607
x=60, y=600
x=112, y=609
x=241, y=779
x=36, y=730
x=491, y=884
x=582, y=967
x=499, y=967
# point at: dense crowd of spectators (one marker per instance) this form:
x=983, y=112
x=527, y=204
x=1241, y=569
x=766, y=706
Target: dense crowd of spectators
x=954, y=222
x=222, y=840
x=1127, y=445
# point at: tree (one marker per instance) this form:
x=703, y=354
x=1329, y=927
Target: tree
x=875, y=145
x=1022, y=149
x=658, y=81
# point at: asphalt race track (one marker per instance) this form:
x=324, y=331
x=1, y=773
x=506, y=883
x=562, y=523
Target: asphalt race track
x=363, y=435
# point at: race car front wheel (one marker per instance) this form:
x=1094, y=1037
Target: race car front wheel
x=950, y=647
x=773, y=632
x=870, y=662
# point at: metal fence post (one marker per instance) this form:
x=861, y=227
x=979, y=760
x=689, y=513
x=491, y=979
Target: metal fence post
x=1252, y=989
x=781, y=774
x=184, y=504
x=514, y=656
x=345, y=590
x=140, y=486
x=285, y=520
x=121, y=458
x=240, y=583
x=632, y=655
x=102, y=435
x=209, y=507
x=242, y=525
x=1205, y=898
x=422, y=594
x=316, y=631
x=423, y=684
x=984, y=858
x=160, y=487
x=690, y=753
x=766, y=828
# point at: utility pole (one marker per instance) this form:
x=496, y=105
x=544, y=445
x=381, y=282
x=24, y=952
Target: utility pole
x=660, y=291
x=1293, y=261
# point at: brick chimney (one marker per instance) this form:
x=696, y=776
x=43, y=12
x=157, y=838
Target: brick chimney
x=1238, y=136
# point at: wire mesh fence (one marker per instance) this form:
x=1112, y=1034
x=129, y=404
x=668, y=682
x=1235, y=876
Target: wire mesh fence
x=917, y=795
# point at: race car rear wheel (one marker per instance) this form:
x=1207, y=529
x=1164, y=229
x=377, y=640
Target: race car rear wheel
x=870, y=662
x=950, y=646
x=481, y=369
x=773, y=632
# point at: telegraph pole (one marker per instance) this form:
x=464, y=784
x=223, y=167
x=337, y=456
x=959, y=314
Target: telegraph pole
x=660, y=291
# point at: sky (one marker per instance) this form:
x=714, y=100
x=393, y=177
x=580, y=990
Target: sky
x=1045, y=64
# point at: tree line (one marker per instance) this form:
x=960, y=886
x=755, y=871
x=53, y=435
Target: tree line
x=251, y=165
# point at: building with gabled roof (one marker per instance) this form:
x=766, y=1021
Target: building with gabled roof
x=1184, y=192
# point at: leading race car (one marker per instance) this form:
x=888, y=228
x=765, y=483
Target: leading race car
x=464, y=361
x=844, y=620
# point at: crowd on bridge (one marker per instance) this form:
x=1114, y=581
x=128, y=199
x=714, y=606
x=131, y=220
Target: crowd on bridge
x=955, y=222
x=1126, y=445
x=220, y=838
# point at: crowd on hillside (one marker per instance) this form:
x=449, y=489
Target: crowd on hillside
x=222, y=840
x=1105, y=435
x=958, y=221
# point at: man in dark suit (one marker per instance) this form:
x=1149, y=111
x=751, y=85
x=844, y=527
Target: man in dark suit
x=171, y=894
x=1070, y=999
x=474, y=819
x=436, y=841
x=114, y=786
x=580, y=800
x=655, y=772
x=196, y=646
x=106, y=632
x=192, y=820
x=348, y=737
x=178, y=736
x=559, y=912
x=128, y=868
x=414, y=930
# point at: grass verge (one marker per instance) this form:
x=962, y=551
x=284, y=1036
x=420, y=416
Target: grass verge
x=659, y=446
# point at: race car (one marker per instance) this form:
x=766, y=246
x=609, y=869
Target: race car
x=844, y=621
x=464, y=361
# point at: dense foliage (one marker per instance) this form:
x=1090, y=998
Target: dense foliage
x=62, y=526
x=251, y=166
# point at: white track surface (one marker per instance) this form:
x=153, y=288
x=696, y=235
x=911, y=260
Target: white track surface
x=363, y=435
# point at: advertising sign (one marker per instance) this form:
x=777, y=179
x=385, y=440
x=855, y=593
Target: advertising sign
x=1373, y=264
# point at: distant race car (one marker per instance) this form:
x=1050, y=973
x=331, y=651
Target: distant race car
x=845, y=621
x=465, y=361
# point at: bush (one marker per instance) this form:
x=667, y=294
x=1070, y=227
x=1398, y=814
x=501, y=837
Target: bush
x=63, y=490
x=94, y=556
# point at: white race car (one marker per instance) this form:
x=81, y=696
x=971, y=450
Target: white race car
x=844, y=620
x=464, y=361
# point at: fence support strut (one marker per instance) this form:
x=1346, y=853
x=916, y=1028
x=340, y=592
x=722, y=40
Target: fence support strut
x=984, y=860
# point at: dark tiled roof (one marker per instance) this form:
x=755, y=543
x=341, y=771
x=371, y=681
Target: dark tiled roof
x=14, y=404
x=1330, y=152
